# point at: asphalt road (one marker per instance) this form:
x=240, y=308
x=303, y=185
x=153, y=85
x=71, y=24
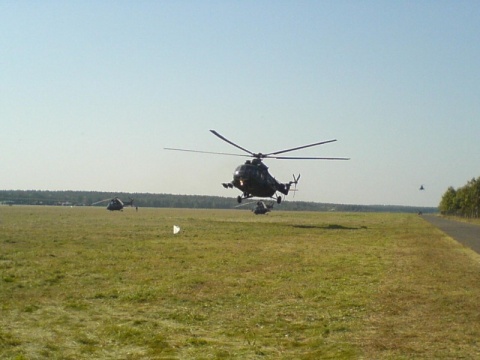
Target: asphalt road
x=466, y=234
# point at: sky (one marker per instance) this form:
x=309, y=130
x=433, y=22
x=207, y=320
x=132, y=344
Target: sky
x=91, y=92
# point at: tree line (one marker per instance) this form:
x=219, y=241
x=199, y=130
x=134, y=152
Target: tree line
x=464, y=201
x=87, y=198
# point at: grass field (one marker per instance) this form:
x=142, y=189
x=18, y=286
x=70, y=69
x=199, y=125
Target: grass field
x=83, y=283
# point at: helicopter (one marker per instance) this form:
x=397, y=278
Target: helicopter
x=253, y=179
x=115, y=204
x=262, y=208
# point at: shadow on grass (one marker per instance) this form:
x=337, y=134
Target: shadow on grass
x=329, y=227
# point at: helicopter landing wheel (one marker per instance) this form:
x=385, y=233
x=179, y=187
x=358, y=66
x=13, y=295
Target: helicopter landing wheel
x=279, y=199
x=239, y=199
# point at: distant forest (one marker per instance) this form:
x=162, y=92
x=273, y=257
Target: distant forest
x=87, y=198
x=464, y=201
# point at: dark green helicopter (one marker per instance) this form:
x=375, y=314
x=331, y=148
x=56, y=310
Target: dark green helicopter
x=253, y=179
x=115, y=204
x=261, y=207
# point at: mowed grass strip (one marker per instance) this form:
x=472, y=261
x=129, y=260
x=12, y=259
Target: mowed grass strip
x=81, y=283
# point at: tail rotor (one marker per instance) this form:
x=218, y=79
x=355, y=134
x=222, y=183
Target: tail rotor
x=294, y=183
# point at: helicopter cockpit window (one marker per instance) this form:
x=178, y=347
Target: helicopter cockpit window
x=243, y=170
x=251, y=171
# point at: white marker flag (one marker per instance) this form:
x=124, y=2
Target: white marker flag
x=176, y=229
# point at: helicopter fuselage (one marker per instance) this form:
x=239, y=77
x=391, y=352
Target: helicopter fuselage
x=262, y=208
x=253, y=179
x=115, y=205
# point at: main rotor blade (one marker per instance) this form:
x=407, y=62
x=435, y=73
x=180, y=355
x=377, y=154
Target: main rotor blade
x=300, y=147
x=98, y=202
x=245, y=204
x=206, y=152
x=306, y=158
x=231, y=142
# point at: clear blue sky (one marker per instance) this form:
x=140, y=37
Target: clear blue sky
x=92, y=91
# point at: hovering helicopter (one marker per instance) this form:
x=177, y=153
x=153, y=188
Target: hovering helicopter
x=115, y=204
x=253, y=179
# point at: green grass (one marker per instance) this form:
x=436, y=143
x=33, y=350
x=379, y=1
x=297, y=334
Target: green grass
x=463, y=219
x=82, y=283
